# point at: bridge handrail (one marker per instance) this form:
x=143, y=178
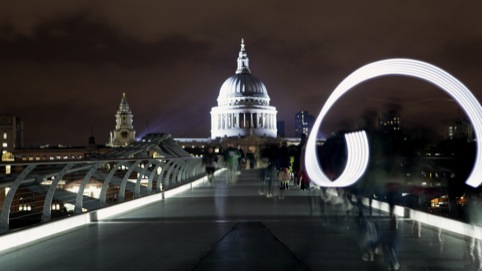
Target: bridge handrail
x=164, y=173
x=436, y=221
x=15, y=239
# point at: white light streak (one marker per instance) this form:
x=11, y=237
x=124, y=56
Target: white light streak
x=359, y=149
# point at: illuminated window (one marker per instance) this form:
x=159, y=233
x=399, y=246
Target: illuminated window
x=4, y=144
x=5, y=135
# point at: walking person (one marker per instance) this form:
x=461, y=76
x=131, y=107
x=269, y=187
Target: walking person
x=284, y=179
x=296, y=167
x=369, y=237
x=271, y=154
x=390, y=245
x=231, y=156
x=210, y=160
x=304, y=179
x=315, y=199
x=283, y=166
x=268, y=179
x=241, y=159
x=250, y=157
x=474, y=244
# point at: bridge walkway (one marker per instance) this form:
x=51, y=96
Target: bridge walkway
x=233, y=228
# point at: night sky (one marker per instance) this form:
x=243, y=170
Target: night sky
x=65, y=64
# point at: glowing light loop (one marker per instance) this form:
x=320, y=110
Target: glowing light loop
x=357, y=143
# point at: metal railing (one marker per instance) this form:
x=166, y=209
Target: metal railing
x=36, y=192
x=39, y=192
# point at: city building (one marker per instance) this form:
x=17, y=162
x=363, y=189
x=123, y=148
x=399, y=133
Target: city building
x=303, y=123
x=11, y=132
x=389, y=122
x=124, y=133
x=122, y=136
x=243, y=105
x=461, y=128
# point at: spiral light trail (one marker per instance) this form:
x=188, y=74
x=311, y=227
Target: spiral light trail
x=357, y=143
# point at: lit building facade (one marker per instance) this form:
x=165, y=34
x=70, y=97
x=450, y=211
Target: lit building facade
x=11, y=135
x=124, y=133
x=389, y=122
x=303, y=123
x=461, y=127
x=243, y=105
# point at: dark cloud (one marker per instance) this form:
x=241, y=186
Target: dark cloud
x=77, y=40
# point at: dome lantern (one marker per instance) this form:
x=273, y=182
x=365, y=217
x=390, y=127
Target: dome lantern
x=243, y=60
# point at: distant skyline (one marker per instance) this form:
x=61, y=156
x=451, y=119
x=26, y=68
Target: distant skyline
x=64, y=65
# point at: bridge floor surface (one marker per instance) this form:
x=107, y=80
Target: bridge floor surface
x=234, y=228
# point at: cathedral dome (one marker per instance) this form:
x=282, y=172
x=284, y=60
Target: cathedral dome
x=243, y=87
x=243, y=105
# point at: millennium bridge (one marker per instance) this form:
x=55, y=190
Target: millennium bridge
x=156, y=211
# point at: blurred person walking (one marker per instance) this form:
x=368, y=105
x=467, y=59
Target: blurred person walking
x=369, y=237
x=316, y=198
x=474, y=245
x=283, y=167
x=231, y=156
x=297, y=167
x=241, y=159
x=270, y=155
x=210, y=160
x=284, y=178
x=390, y=245
x=304, y=179
x=251, y=159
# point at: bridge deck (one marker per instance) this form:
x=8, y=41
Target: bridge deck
x=232, y=228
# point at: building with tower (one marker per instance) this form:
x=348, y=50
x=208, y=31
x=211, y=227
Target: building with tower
x=124, y=133
x=243, y=105
x=11, y=132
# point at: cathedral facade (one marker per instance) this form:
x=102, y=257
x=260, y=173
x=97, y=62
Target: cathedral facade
x=243, y=105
